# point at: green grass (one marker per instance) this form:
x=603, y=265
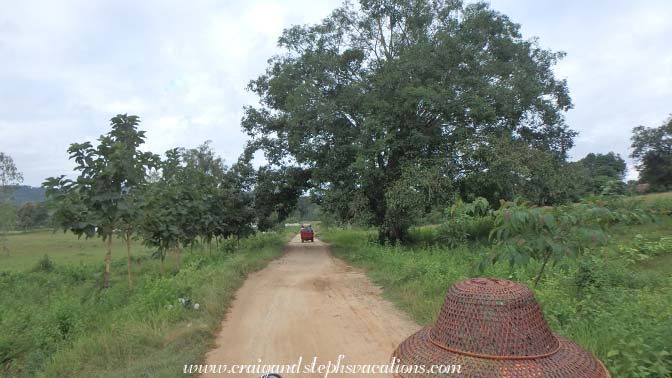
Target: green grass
x=59, y=323
x=618, y=309
x=25, y=249
x=660, y=264
x=656, y=196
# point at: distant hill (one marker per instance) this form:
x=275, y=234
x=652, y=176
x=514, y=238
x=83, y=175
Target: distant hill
x=23, y=193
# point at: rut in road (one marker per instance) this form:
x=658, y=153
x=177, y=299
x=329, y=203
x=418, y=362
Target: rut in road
x=309, y=304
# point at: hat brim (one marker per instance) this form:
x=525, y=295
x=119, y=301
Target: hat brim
x=570, y=361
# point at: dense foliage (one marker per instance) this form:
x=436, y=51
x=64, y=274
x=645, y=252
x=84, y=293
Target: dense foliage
x=652, y=148
x=520, y=233
x=601, y=170
x=559, y=233
x=395, y=105
x=276, y=194
x=188, y=198
x=102, y=198
x=32, y=215
x=197, y=198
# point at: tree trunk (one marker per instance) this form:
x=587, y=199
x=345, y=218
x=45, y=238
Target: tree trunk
x=163, y=268
x=382, y=235
x=128, y=253
x=178, y=252
x=108, y=262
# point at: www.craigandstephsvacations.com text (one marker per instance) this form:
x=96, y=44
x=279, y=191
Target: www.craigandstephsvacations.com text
x=324, y=369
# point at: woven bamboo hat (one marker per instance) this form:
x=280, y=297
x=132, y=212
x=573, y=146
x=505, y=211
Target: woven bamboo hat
x=494, y=329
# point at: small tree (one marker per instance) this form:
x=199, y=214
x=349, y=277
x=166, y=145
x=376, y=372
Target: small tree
x=172, y=208
x=204, y=173
x=102, y=196
x=160, y=219
x=9, y=177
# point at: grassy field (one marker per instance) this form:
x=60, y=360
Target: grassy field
x=57, y=322
x=27, y=248
x=615, y=301
x=656, y=196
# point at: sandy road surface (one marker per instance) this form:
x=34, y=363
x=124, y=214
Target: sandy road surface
x=309, y=304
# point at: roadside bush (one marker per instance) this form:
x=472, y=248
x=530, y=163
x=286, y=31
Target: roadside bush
x=466, y=221
x=420, y=236
x=44, y=265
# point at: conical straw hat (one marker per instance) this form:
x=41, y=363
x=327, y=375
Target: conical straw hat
x=494, y=328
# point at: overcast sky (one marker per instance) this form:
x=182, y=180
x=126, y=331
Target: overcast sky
x=67, y=67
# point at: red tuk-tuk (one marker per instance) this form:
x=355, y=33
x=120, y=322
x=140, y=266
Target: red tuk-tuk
x=307, y=234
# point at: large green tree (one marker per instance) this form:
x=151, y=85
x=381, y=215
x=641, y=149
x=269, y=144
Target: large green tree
x=652, y=148
x=386, y=103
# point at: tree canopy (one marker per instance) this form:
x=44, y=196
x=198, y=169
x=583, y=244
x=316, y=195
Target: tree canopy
x=652, y=148
x=387, y=104
x=601, y=169
x=101, y=199
x=10, y=176
x=197, y=199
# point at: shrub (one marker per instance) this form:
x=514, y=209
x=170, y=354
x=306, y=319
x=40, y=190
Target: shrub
x=466, y=221
x=44, y=265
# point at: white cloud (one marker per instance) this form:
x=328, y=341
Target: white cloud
x=67, y=67
x=618, y=64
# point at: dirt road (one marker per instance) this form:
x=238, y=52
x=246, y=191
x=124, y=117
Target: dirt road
x=309, y=304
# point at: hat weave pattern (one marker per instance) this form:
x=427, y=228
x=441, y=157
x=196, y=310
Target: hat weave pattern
x=495, y=328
